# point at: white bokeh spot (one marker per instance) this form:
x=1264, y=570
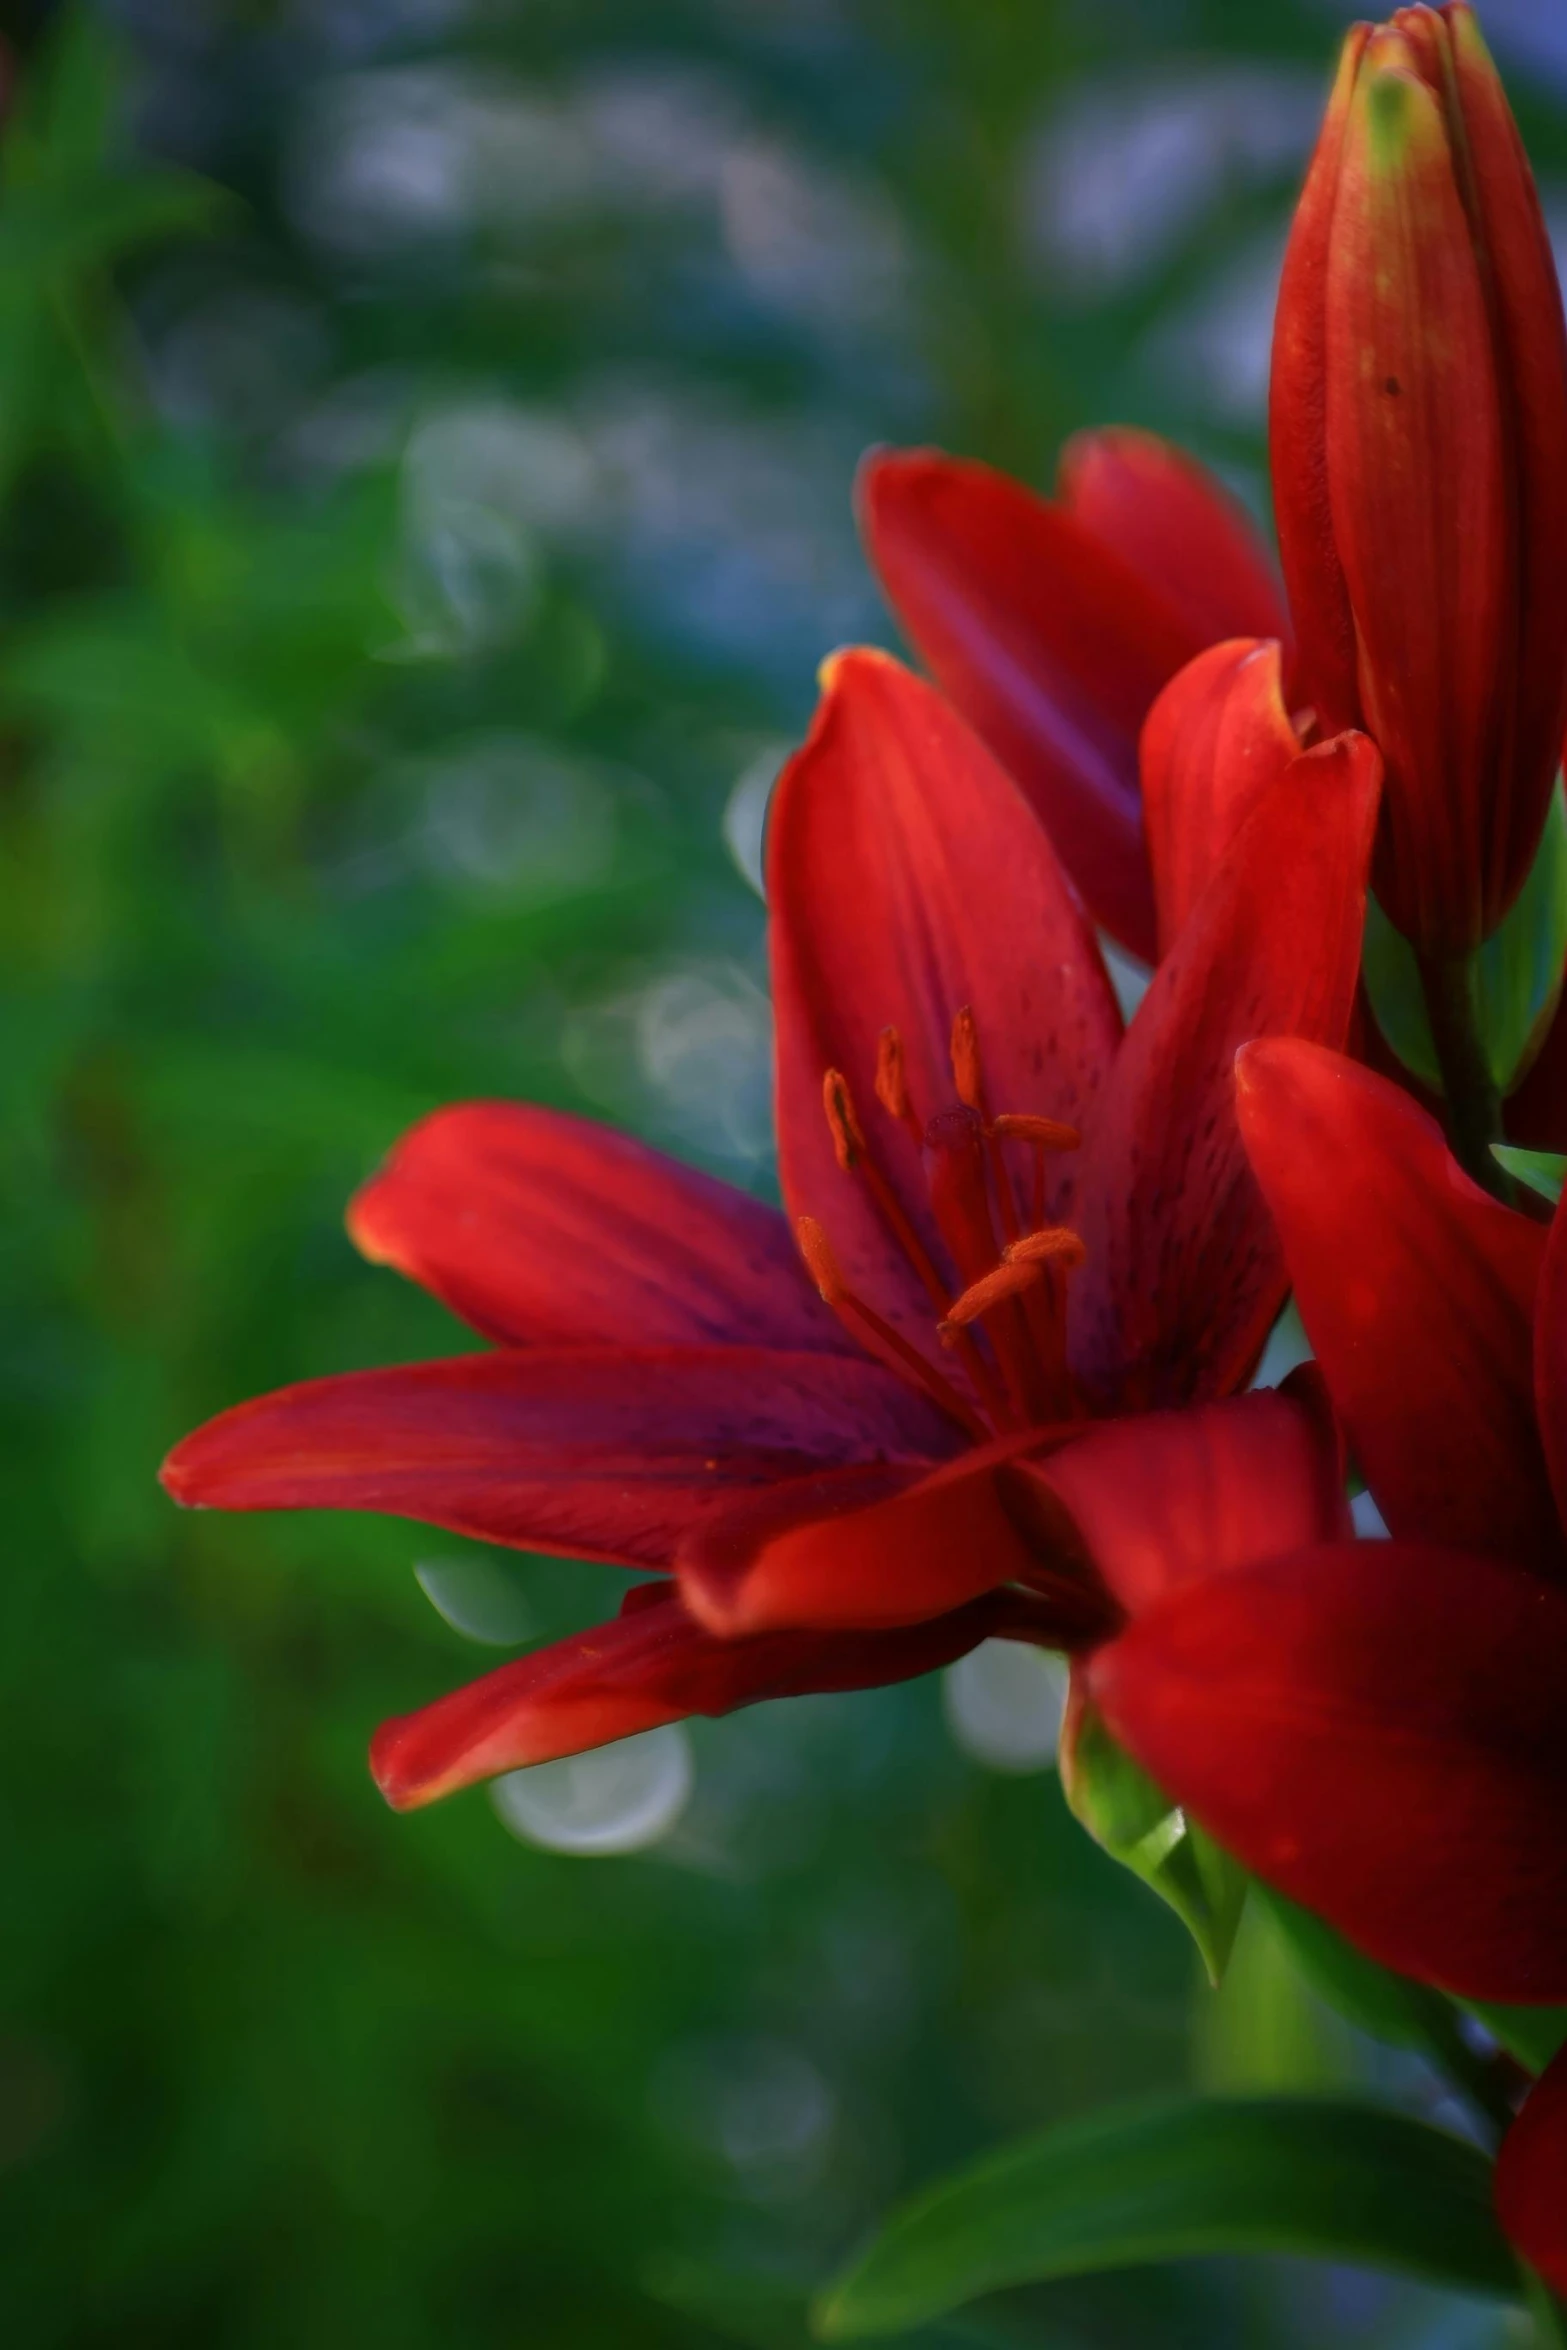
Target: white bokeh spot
x=1004, y=1702
x=614, y=1799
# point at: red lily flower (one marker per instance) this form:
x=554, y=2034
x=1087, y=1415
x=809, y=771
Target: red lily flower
x=1376, y=1728
x=1053, y=624
x=1449, y=1365
x=853, y=1495
x=1419, y=443
x=1419, y=432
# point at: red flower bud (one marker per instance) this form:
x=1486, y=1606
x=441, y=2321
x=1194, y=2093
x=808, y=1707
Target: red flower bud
x=1419, y=442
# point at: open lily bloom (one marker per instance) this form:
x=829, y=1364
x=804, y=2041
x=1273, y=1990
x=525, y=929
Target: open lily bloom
x=853, y=1476
x=1377, y=1728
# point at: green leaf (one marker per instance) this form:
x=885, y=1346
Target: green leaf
x=1387, y=965
x=1125, y=1812
x=1388, y=2006
x=1326, y=2178
x=1532, y=2034
x=1265, y=2032
x=1543, y=1171
x=1516, y=975
x=1394, y=2008
x=1519, y=970
x=766, y=2312
x=1549, y=2314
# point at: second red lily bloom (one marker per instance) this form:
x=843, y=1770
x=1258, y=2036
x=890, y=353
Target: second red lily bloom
x=1053, y=624
x=1419, y=453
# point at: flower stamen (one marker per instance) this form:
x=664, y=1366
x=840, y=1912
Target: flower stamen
x=1023, y=1263
x=1051, y=1134
x=834, y=1291
x=967, y=1070
x=1011, y=1283
x=855, y=1157
x=892, y=1083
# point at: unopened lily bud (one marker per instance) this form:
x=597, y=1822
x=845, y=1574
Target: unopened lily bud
x=1419, y=446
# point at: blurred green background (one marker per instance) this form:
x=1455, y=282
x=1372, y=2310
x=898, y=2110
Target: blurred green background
x=426, y=432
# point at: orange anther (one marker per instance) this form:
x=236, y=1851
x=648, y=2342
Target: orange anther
x=1051, y=1134
x=1008, y=1279
x=848, y=1140
x=966, y=1068
x=820, y=1263
x=1022, y=1263
x=1056, y=1244
x=892, y=1084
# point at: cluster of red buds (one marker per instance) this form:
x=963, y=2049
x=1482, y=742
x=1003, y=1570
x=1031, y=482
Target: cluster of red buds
x=991, y=1373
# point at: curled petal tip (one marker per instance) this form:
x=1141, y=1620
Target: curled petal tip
x=363, y=1229
x=1269, y=1058
x=838, y=669
x=175, y=1477
x=873, y=462
x=400, y=1793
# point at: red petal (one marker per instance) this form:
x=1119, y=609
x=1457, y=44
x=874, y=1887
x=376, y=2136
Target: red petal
x=908, y=878
x=1531, y=2177
x=1303, y=511
x=1183, y=1275
x=1418, y=465
x=602, y=1453
x=535, y=1226
x=1533, y=339
x=1417, y=1292
x=1374, y=1728
x=651, y=1665
x=1049, y=643
x=1214, y=741
x=860, y=1548
x=1168, y=1498
x=1177, y=527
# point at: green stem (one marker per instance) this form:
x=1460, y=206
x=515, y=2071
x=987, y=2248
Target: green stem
x=1549, y=2314
x=1488, y=2081
x=1473, y=1103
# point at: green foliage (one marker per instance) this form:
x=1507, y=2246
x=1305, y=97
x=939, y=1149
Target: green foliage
x=1543, y=1171
x=1125, y=1812
x=1532, y=2034
x=407, y=536
x=1388, y=2006
x=1516, y=976
x=1317, y=2176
